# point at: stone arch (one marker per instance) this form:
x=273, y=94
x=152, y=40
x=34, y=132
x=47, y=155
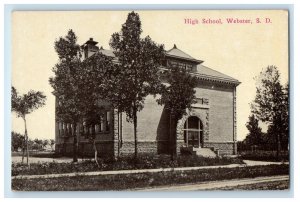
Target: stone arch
x=203, y=115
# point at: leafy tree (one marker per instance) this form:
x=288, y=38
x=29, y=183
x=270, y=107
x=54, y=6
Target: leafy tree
x=17, y=141
x=37, y=144
x=177, y=98
x=37, y=141
x=52, y=143
x=68, y=72
x=285, y=118
x=255, y=135
x=23, y=105
x=32, y=145
x=78, y=87
x=271, y=104
x=96, y=74
x=45, y=143
x=136, y=71
x=278, y=131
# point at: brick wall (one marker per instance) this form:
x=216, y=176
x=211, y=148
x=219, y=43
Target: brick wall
x=217, y=119
x=143, y=147
x=153, y=126
x=220, y=111
x=152, y=123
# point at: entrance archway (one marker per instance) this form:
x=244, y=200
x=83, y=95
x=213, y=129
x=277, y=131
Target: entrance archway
x=193, y=132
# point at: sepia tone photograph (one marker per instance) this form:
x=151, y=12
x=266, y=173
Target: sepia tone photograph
x=150, y=100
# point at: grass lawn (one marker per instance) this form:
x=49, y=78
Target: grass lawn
x=124, y=163
x=279, y=185
x=264, y=155
x=40, y=154
x=141, y=180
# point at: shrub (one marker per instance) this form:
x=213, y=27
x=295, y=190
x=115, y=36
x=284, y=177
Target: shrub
x=124, y=163
x=131, y=181
x=260, y=155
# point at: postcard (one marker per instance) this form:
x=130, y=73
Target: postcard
x=150, y=100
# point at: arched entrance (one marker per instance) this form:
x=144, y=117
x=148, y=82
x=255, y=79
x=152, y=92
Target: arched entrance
x=193, y=132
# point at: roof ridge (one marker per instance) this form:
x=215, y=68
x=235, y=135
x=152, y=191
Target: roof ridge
x=181, y=51
x=181, y=54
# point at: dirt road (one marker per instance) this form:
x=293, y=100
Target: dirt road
x=216, y=184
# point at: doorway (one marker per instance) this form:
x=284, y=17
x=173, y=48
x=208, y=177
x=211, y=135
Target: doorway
x=193, y=132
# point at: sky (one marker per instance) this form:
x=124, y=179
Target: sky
x=240, y=50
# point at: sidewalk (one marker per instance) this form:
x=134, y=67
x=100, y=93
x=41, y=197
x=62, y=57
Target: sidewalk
x=115, y=172
x=18, y=159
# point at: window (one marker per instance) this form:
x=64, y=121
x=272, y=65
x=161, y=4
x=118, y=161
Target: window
x=91, y=130
x=184, y=65
x=71, y=129
x=60, y=129
x=97, y=128
x=81, y=128
x=85, y=129
x=189, y=67
x=108, y=120
x=101, y=124
x=63, y=129
x=68, y=129
x=202, y=101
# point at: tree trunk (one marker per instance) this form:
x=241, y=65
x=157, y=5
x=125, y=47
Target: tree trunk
x=135, y=131
x=26, y=142
x=175, y=121
x=119, y=131
x=172, y=137
x=94, y=145
x=96, y=152
x=23, y=149
x=278, y=146
x=75, y=144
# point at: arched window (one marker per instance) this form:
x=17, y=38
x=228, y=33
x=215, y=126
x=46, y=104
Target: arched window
x=193, y=132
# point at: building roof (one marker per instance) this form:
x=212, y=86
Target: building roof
x=91, y=42
x=177, y=53
x=210, y=74
x=174, y=52
x=106, y=52
x=203, y=72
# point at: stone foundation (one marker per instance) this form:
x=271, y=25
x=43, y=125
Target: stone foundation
x=107, y=149
x=85, y=149
x=224, y=148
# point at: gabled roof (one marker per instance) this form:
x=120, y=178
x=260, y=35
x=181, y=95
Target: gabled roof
x=106, y=52
x=203, y=72
x=177, y=53
x=210, y=74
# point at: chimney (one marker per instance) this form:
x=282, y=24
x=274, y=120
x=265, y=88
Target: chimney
x=90, y=48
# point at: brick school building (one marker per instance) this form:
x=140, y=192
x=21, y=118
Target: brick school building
x=209, y=128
